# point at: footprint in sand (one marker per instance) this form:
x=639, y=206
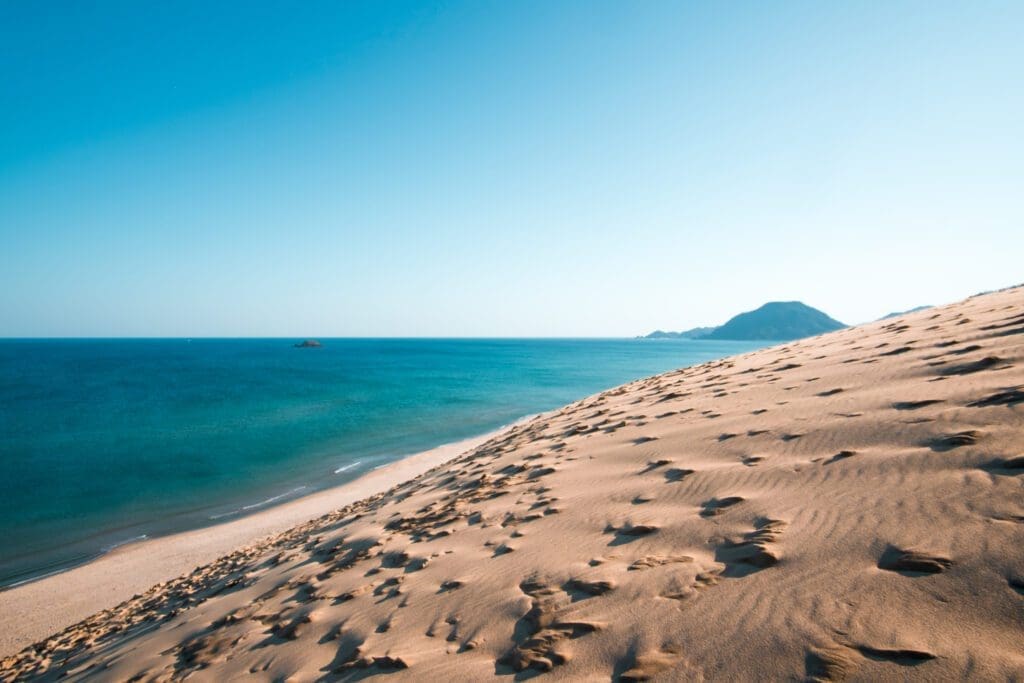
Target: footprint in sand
x=841, y=455
x=986, y=363
x=753, y=552
x=912, y=562
x=677, y=474
x=627, y=533
x=647, y=665
x=540, y=635
x=951, y=441
x=914, y=405
x=650, y=561
x=580, y=589
x=717, y=506
x=450, y=585
x=1008, y=397
x=822, y=665
x=655, y=464
x=903, y=657
x=1007, y=466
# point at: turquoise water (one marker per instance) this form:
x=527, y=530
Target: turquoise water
x=106, y=441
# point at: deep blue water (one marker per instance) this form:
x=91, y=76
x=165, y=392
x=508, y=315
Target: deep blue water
x=103, y=441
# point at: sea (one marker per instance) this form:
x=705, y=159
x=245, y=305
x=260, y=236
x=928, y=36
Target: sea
x=110, y=441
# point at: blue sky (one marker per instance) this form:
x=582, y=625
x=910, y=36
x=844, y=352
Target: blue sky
x=496, y=168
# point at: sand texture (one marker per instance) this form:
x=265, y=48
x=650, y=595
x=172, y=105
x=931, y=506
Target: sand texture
x=847, y=507
x=32, y=611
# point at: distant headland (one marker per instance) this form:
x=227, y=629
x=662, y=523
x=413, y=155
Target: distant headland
x=775, y=321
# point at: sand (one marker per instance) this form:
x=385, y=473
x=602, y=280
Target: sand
x=32, y=611
x=849, y=506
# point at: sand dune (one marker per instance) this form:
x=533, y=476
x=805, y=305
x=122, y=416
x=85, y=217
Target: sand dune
x=35, y=610
x=844, y=507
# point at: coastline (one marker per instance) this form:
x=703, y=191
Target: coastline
x=174, y=457
x=39, y=607
x=838, y=507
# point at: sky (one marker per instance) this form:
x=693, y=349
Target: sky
x=500, y=168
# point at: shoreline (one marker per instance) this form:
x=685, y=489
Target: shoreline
x=837, y=507
x=40, y=606
x=201, y=518
x=264, y=448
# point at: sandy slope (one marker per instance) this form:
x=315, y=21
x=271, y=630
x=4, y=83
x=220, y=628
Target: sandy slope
x=33, y=611
x=848, y=506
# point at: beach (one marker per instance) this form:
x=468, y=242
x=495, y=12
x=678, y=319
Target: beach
x=843, y=507
x=111, y=441
x=33, y=610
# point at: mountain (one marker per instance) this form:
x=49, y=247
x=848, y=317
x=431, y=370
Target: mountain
x=695, y=333
x=777, y=321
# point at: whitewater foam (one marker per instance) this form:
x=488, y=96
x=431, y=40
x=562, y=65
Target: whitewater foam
x=262, y=503
x=118, y=544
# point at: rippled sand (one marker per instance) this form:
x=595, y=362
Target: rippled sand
x=844, y=507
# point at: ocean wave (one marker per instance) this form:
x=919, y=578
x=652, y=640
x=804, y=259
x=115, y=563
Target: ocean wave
x=118, y=544
x=274, y=499
x=346, y=468
x=35, y=577
x=262, y=503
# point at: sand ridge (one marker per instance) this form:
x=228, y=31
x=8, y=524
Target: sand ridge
x=849, y=506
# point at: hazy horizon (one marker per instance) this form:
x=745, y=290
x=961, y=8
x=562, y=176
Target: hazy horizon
x=500, y=170
x=301, y=336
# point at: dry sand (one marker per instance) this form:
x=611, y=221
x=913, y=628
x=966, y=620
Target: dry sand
x=844, y=507
x=30, y=612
